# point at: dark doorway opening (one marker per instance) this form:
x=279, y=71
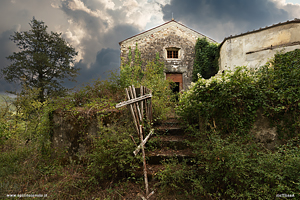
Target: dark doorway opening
x=175, y=87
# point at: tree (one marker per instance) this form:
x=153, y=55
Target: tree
x=206, y=59
x=43, y=62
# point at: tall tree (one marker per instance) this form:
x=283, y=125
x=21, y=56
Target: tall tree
x=43, y=62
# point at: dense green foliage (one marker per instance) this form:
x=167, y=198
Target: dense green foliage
x=234, y=168
x=26, y=143
x=206, y=59
x=230, y=163
x=230, y=102
x=43, y=62
x=28, y=128
x=151, y=75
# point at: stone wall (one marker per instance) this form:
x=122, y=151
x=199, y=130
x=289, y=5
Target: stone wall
x=254, y=49
x=73, y=135
x=169, y=35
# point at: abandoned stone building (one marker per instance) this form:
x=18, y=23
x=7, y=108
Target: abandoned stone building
x=175, y=44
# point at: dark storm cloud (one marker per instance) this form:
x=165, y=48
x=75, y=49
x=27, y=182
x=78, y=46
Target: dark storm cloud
x=98, y=44
x=6, y=47
x=118, y=34
x=100, y=38
x=219, y=19
x=106, y=60
x=15, y=16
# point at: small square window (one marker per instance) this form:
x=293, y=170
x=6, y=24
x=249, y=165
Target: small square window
x=172, y=54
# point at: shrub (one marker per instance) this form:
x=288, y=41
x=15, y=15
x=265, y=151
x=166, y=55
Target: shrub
x=151, y=75
x=235, y=167
x=111, y=156
x=206, y=59
x=229, y=102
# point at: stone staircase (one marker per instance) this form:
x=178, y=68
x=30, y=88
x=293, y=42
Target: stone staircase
x=168, y=142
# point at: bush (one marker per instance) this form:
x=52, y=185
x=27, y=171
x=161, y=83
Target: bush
x=112, y=154
x=229, y=102
x=206, y=61
x=151, y=75
x=234, y=168
x=229, y=163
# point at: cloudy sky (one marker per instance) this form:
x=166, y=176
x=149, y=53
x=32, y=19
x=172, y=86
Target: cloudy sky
x=95, y=27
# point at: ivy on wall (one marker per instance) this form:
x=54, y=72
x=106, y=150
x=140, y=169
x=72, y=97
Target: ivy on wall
x=206, y=59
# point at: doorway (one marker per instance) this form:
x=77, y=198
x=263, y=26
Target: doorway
x=177, y=79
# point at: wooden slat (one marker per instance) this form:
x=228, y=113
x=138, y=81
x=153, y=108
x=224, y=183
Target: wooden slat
x=137, y=104
x=135, y=152
x=142, y=102
x=146, y=106
x=132, y=112
x=124, y=103
x=134, y=108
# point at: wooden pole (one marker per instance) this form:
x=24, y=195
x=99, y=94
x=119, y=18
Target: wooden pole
x=142, y=102
x=146, y=106
x=151, y=116
x=144, y=162
x=132, y=112
x=137, y=104
x=134, y=106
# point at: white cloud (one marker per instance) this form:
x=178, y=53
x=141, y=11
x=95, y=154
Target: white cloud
x=291, y=7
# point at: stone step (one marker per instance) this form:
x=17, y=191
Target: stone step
x=158, y=155
x=169, y=130
x=175, y=142
x=169, y=122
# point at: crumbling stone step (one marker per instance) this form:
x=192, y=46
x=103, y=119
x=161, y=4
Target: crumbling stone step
x=175, y=142
x=157, y=156
x=167, y=130
x=169, y=122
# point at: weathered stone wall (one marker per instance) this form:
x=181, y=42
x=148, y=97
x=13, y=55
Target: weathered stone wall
x=73, y=135
x=170, y=34
x=256, y=48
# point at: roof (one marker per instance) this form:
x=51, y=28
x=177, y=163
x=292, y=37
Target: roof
x=260, y=29
x=164, y=25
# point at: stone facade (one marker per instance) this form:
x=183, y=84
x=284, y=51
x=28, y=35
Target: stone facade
x=169, y=36
x=251, y=49
x=255, y=48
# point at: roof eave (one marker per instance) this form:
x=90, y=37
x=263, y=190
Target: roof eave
x=260, y=29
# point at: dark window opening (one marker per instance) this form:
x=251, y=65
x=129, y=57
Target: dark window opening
x=172, y=54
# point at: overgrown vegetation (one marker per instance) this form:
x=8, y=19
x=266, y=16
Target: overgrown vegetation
x=151, y=76
x=234, y=167
x=230, y=163
x=230, y=102
x=206, y=59
x=39, y=168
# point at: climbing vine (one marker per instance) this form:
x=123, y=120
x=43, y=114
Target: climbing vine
x=206, y=59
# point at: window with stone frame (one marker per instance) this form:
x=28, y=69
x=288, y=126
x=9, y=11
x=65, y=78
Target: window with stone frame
x=173, y=53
